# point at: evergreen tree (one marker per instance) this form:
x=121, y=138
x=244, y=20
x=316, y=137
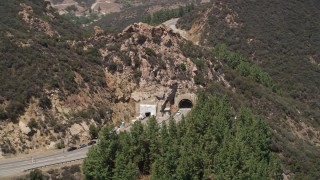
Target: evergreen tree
x=208, y=144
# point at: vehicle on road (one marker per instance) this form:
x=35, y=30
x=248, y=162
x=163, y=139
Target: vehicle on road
x=83, y=145
x=72, y=148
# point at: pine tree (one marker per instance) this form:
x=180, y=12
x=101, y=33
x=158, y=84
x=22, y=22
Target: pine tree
x=208, y=144
x=124, y=167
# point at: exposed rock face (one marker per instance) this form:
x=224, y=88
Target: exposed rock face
x=24, y=128
x=141, y=64
x=146, y=64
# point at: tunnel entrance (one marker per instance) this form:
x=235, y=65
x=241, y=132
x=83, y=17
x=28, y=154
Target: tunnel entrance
x=148, y=114
x=185, y=103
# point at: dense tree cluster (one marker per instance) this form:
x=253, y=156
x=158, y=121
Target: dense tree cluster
x=208, y=144
x=238, y=62
x=166, y=14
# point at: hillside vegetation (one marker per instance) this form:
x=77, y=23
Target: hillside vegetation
x=51, y=80
x=33, y=61
x=208, y=144
x=152, y=12
x=282, y=40
x=282, y=37
x=58, y=81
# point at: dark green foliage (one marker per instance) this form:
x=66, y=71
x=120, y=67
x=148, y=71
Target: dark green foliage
x=33, y=124
x=59, y=128
x=112, y=66
x=208, y=144
x=182, y=67
x=60, y=145
x=190, y=50
x=137, y=74
x=47, y=63
x=71, y=8
x=93, y=131
x=150, y=52
x=7, y=147
x=14, y=109
x=198, y=79
x=280, y=36
x=243, y=67
x=36, y=175
x=167, y=14
x=45, y=103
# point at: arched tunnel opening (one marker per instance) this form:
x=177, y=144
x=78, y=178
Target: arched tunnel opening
x=148, y=114
x=185, y=103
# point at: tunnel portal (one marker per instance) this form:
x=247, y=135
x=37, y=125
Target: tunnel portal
x=185, y=103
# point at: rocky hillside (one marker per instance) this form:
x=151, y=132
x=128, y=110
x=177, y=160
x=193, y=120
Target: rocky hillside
x=283, y=39
x=47, y=83
x=58, y=82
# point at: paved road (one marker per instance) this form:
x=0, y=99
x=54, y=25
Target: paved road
x=65, y=4
x=10, y=167
x=13, y=167
x=172, y=24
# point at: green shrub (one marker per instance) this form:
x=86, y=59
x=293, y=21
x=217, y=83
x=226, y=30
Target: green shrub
x=59, y=128
x=45, y=103
x=167, y=14
x=112, y=66
x=182, y=67
x=14, y=109
x=125, y=59
x=137, y=74
x=93, y=131
x=36, y=174
x=150, y=52
x=198, y=79
x=33, y=124
x=60, y=145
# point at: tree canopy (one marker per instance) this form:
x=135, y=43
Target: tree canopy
x=208, y=144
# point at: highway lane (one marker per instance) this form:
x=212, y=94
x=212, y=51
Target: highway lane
x=13, y=167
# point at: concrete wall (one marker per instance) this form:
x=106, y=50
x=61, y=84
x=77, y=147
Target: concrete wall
x=190, y=96
x=153, y=105
x=148, y=108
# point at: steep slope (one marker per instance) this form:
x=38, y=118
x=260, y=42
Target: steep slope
x=283, y=39
x=45, y=80
x=137, y=11
x=57, y=81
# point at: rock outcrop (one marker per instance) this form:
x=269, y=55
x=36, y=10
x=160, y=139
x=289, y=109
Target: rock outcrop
x=144, y=62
